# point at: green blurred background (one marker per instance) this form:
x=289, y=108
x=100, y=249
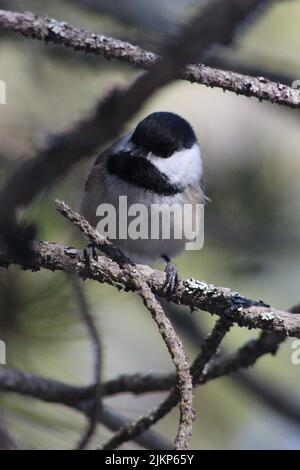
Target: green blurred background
x=252, y=227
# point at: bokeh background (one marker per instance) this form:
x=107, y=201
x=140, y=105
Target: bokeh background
x=252, y=228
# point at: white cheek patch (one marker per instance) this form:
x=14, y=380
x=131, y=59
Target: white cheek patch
x=183, y=167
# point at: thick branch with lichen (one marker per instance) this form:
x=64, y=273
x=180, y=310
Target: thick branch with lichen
x=193, y=293
x=50, y=30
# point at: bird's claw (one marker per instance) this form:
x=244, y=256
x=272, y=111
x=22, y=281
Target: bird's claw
x=172, y=279
x=90, y=254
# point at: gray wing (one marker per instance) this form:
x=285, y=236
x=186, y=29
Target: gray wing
x=101, y=159
x=95, y=186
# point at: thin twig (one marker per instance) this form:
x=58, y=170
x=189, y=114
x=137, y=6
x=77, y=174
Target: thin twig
x=165, y=327
x=276, y=399
x=139, y=383
x=114, y=420
x=53, y=391
x=209, y=348
x=92, y=329
x=81, y=398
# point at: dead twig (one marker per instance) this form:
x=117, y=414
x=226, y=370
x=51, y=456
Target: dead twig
x=95, y=338
x=209, y=348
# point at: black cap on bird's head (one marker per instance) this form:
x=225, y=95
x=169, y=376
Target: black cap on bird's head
x=161, y=155
x=163, y=134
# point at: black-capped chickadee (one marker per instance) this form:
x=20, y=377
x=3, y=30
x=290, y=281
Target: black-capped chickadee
x=158, y=164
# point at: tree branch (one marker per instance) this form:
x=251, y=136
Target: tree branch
x=53, y=391
x=50, y=30
x=81, y=398
x=194, y=293
x=209, y=348
x=277, y=400
x=204, y=30
x=216, y=23
x=172, y=341
x=96, y=343
x=78, y=398
x=244, y=357
x=148, y=439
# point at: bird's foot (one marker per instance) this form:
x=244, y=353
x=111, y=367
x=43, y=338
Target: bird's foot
x=172, y=277
x=90, y=254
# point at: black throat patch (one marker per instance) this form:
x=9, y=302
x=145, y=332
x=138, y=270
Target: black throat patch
x=142, y=173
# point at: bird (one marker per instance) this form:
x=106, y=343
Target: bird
x=154, y=166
